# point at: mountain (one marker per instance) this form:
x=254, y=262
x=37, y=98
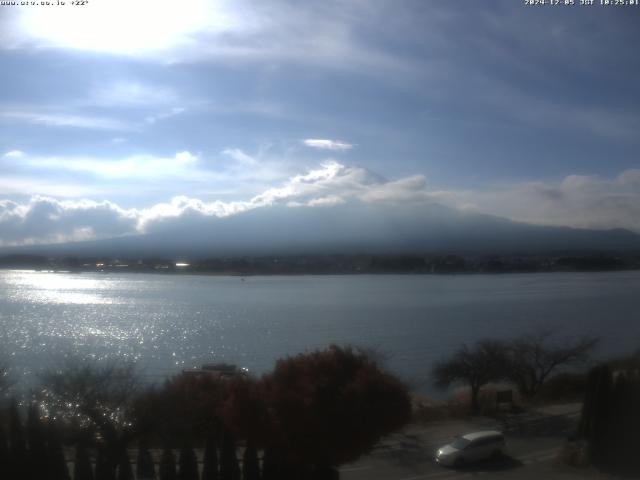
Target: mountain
x=352, y=228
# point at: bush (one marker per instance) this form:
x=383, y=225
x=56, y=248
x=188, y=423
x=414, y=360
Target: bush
x=330, y=407
x=188, y=405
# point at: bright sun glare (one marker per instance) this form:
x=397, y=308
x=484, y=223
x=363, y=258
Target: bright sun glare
x=124, y=26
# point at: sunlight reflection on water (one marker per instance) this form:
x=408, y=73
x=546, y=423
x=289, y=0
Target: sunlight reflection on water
x=48, y=287
x=168, y=322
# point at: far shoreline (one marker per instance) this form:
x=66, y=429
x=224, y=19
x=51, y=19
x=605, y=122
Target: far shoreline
x=312, y=274
x=333, y=264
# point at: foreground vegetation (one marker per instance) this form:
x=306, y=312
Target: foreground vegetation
x=526, y=362
x=610, y=419
x=313, y=413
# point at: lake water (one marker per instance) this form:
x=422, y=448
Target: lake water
x=169, y=322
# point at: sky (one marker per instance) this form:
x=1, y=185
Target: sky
x=116, y=115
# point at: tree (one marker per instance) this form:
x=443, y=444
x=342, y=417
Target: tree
x=6, y=379
x=229, y=468
x=4, y=456
x=250, y=463
x=168, y=465
x=57, y=462
x=532, y=358
x=243, y=408
x=210, y=461
x=96, y=398
x=18, y=462
x=37, y=441
x=475, y=367
x=187, y=403
x=270, y=465
x=188, y=464
x=125, y=472
x=82, y=465
x=610, y=418
x=145, y=470
x=330, y=407
x=105, y=468
x=602, y=412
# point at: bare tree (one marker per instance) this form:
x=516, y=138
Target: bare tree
x=100, y=394
x=475, y=367
x=532, y=358
x=6, y=379
x=96, y=398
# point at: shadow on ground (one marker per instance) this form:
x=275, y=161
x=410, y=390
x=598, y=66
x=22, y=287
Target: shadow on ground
x=410, y=450
x=519, y=425
x=406, y=449
x=494, y=464
x=622, y=472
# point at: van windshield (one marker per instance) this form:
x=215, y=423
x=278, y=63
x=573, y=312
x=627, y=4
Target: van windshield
x=459, y=443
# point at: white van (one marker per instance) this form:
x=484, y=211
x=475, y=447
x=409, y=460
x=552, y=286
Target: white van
x=471, y=448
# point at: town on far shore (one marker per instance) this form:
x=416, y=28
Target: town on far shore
x=335, y=263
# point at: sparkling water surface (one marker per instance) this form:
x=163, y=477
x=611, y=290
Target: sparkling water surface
x=166, y=323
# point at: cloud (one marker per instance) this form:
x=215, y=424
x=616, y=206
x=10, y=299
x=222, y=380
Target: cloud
x=92, y=27
x=132, y=105
x=239, y=156
x=138, y=178
x=327, y=33
x=325, y=144
x=407, y=190
x=46, y=220
x=136, y=166
x=583, y=201
x=21, y=185
x=151, y=119
x=131, y=94
x=136, y=95
x=328, y=201
x=14, y=154
x=630, y=178
x=588, y=115
x=186, y=157
x=424, y=48
x=577, y=200
x=415, y=50
x=53, y=119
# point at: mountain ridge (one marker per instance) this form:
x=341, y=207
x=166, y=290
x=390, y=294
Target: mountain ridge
x=350, y=229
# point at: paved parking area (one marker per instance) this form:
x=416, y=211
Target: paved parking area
x=533, y=444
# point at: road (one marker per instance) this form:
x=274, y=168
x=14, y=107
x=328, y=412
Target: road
x=533, y=444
